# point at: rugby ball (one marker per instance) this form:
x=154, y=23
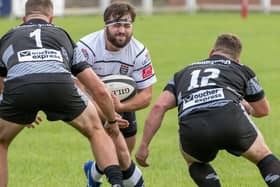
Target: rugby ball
x=121, y=85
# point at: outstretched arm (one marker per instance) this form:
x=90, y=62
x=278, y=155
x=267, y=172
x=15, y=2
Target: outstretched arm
x=165, y=101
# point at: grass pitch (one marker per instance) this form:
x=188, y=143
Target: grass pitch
x=53, y=154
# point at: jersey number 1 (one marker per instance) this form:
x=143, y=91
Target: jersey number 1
x=204, y=81
x=37, y=35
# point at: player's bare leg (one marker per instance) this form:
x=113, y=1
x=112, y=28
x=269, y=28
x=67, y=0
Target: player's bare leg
x=8, y=131
x=132, y=175
x=258, y=150
x=121, y=147
x=267, y=163
x=202, y=173
x=130, y=142
x=89, y=124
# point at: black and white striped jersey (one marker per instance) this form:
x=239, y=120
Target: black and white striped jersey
x=37, y=47
x=213, y=82
x=133, y=60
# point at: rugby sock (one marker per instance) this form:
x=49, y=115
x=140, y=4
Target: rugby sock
x=204, y=175
x=96, y=173
x=270, y=170
x=114, y=175
x=133, y=176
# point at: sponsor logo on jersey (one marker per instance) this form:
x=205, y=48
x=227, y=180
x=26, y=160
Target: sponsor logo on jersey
x=85, y=53
x=271, y=178
x=124, y=69
x=34, y=55
x=203, y=96
x=147, y=72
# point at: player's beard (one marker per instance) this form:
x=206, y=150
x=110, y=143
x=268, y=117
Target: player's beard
x=114, y=41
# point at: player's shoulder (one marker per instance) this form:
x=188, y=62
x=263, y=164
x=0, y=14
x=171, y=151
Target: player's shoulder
x=92, y=39
x=247, y=70
x=136, y=47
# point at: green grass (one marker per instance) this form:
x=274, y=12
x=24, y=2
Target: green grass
x=53, y=153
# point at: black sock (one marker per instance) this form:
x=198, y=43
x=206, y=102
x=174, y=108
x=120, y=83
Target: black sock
x=114, y=175
x=270, y=170
x=98, y=170
x=204, y=175
x=133, y=176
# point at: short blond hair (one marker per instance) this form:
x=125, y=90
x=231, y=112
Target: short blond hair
x=44, y=7
x=229, y=44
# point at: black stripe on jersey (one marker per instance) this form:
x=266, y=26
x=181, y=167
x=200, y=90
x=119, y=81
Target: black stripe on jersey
x=101, y=76
x=143, y=67
x=113, y=61
x=141, y=52
x=88, y=48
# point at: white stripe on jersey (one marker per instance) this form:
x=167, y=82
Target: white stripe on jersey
x=132, y=60
x=27, y=68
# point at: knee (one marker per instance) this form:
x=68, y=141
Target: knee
x=113, y=132
x=92, y=131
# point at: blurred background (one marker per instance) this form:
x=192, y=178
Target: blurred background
x=82, y=7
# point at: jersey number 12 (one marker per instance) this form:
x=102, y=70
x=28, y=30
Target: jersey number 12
x=204, y=80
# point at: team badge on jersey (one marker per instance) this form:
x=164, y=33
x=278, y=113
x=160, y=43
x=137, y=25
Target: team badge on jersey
x=124, y=69
x=147, y=72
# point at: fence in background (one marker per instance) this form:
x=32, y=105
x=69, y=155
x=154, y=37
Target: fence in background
x=78, y=7
x=152, y=6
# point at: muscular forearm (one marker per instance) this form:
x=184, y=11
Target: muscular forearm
x=152, y=124
x=140, y=101
x=100, y=93
x=136, y=103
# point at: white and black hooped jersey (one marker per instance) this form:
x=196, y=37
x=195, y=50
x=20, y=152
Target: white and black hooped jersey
x=213, y=82
x=37, y=47
x=132, y=60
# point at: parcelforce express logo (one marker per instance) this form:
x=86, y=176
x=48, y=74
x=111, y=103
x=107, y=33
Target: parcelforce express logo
x=39, y=55
x=203, y=96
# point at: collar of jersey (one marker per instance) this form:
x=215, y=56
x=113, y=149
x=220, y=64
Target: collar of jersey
x=35, y=21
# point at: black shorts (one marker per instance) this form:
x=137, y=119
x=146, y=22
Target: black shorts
x=204, y=133
x=131, y=130
x=59, y=101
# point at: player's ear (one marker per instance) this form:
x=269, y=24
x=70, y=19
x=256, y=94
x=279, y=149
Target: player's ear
x=24, y=19
x=211, y=52
x=51, y=19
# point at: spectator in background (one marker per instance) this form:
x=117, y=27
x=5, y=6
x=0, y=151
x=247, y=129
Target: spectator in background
x=212, y=97
x=114, y=50
x=36, y=62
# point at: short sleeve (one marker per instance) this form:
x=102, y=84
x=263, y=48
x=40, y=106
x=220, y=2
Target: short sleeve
x=79, y=62
x=143, y=72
